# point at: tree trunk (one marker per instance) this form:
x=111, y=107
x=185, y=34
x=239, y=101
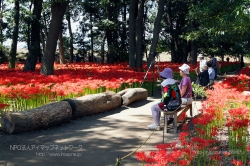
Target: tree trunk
x=242, y=64
x=13, y=49
x=132, y=16
x=29, y=28
x=157, y=28
x=102, y=48
x=139, y=31
x=46, y=116
x=95, y=103
x=186, y=51
x=2, y=55
x=124, y=29
x=194, y=52
x=57, y=10
x=71, y=47
x=34, y=51
x=42, y=40
x=91, y=39
x=171, y=34
x=112, y=35
x=61, y=48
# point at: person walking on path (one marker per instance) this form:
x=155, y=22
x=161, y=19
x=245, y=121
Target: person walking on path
x=156, y=109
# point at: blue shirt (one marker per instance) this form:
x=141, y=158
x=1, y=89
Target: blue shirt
x=211, y=73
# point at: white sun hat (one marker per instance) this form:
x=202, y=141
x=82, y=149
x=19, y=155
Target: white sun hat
x=185, y=68
x=200, y=56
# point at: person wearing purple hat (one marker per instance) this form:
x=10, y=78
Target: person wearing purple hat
x=167, y=76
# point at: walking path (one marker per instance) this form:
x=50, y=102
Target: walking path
x=95, y=140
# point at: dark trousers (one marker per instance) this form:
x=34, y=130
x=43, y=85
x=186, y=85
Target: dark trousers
x=215, y=70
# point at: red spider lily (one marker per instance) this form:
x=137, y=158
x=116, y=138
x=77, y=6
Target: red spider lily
x=2, y=105
x=216, y=157
x=226, y=153
x=237, y=162
x=214, y=131
x=182, y=116
x=204, y=119
x=248, y=148
x=239, y=112
x=185, y=141
x=166, y=146
x=141, y=156
x=183, y=162
x=202, y=143
x=245, y=71
x=185, y=127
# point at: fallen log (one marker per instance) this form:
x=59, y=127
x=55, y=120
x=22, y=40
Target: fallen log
x=46, y=116
x=93, y=104
x=131, y=95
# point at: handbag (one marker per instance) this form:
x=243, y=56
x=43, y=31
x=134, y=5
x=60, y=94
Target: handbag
x=173, y=105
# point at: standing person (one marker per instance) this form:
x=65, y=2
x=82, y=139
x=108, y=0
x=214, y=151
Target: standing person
x=185, y=85
x=214, y=64
x=168, y=82
x=211, y=73
x=202, y=61
x=203, y=76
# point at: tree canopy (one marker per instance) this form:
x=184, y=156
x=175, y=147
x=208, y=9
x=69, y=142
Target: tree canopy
x=123, y=30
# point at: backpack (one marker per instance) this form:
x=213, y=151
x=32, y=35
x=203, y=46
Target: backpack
x=172, y=102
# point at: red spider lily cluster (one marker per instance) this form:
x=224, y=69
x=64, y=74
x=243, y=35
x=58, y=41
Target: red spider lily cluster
x=225, y=110
x=71, y=80
x=26, y=90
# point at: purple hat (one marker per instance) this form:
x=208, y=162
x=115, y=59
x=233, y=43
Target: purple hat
x=166, y=73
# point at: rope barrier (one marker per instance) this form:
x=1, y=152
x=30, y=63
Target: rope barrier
x=118, y=159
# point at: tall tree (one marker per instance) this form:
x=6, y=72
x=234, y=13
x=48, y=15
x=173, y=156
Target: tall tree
x=57, y=9
x=139, y=34
x=132, y=20
x=3, y=25
x=13, y=49
x=61, y=48
x=111, y=31
x=71, y=47
x=34, y=48
x=156, y=31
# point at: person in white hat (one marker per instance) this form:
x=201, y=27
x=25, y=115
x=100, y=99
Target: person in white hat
x=203, y=76
x=185, y=85
x=167, y=76
x=202, y=61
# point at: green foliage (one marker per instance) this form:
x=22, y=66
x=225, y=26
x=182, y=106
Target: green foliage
x=219, y=17
x=199, y=91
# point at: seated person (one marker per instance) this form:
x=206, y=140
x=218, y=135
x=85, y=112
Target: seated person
x=157, y=108
x=211, y=73
x=185, y=85
x=203, y=76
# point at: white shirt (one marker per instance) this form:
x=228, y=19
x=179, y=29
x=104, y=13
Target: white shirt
x=203, y=62
x=168, y=81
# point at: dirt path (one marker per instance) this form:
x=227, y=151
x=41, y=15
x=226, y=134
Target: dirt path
x=89, y=141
